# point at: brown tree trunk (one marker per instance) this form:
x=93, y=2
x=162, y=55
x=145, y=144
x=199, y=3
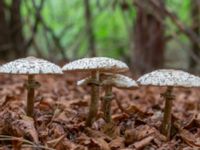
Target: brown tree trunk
x=5, y=45
x=89, y=28
x=11, y=38
x=16, y=29
x=148, y=39
x=195, y=15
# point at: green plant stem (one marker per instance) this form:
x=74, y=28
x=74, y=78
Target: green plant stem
x=166, y=124
x=30, y=95
x=93, y=109
x=107, y=103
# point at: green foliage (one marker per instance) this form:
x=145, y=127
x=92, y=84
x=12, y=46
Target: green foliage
x=112, y=25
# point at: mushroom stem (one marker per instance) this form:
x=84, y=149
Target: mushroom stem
x=166, y=124
x=30, y=95
x=94, y=98
x=107, y=103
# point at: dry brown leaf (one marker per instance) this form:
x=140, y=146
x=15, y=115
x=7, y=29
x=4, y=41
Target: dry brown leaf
x=111, y=129
x=189, y=138
x=97, y=134
x=25, y=127
x=55, y=142
x=117, y=143
x=56, y=130
x=103, y=145
x=142, y=110
x=119, y=117
x=144, y=142
x=138, y=133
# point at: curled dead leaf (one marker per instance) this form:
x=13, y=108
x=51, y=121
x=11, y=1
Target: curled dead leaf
x=25, y=127
x=138, y=133
x=144, y=142
x=117, y=143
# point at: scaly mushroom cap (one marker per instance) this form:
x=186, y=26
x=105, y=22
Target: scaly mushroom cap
x=30, y=65
x=169, y=77
x=116, y=80
x=103, y=64
x=84, y=81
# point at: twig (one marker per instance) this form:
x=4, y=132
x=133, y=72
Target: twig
x=31, y=144
x=89, y=28
x=191, y=53
x=184, y=29
x=187, y=31
x=37, y=20
x=55, y=38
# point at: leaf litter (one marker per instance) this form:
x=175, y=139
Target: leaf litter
x=61, y=108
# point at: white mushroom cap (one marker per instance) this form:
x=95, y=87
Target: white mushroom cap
x=169, y=77
x=102, y=64
x=116, y=80
x=84, y=81
x=30, y=65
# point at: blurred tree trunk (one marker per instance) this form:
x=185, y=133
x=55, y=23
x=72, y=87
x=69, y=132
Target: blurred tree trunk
x=195, y=15
x=11, y=38
x=16, y=29
x=149, y=40
x=89, y=28
x=5, y=45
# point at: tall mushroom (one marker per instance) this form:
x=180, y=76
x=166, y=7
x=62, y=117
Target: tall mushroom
x=109, y=80
x=169, y=78
x=30, y=66
x=95, y=66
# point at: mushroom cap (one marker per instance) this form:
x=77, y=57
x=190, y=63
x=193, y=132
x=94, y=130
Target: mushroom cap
x=102, y=64
x=116, y=80
x=84, y=81
x=30, y=65
x=169, y=77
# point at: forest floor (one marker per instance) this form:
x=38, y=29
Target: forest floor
x=61, y=109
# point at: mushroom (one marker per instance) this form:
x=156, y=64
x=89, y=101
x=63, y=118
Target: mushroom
x=109, y=80
x=94, y=66
x=30, y=66
x=169, y=78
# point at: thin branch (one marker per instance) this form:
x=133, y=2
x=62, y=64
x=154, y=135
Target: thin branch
x=180, y=25
x=89, y=28
x=38, y=9
x=186, y=30
x=55, y=38
x=29, y=143
x=191, y=53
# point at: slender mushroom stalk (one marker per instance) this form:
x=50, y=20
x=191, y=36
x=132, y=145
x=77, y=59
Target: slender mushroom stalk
x=106, y=103
x=30, y=95
x=31, y=86
x=30, y=66
x=95, y=66
x=108, y=80
x=169, y=78
x=94, y=98
x=166, y=124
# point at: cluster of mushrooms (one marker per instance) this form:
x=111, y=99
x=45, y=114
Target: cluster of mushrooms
x=106, y=73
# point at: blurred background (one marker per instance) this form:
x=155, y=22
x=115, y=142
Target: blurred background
x=146, y=34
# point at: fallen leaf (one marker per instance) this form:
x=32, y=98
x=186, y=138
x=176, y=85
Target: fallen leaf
x=144, y=142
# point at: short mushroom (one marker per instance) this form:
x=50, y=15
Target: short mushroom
x=109, y=80
x=169, y=78
x=95, y=66
x=30, y=66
